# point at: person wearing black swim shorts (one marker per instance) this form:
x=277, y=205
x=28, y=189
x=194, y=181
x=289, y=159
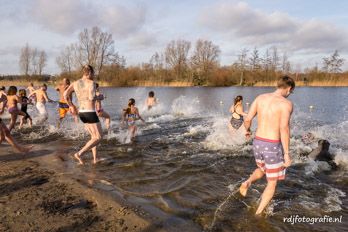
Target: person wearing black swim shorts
x=85, y=90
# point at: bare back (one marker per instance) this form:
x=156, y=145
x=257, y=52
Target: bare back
x=85, y=92
x=271, y=109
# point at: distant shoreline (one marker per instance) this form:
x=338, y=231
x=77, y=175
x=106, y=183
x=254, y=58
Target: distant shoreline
x=185, y=84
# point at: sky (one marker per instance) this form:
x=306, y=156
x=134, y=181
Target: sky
x=306, y=30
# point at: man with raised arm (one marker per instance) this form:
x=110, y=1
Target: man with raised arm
x=85, y=90
x=272, y=138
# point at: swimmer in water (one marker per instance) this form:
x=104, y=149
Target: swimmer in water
x=24, y=108
x=12, y=101
x=63, y=107
x=237, y=113
x=151, y=101
x=41, y=99
x=85, y=90
x=6, y=135
x=98, y=106
x=30, y=90
x=272, y=138
x=130, y=115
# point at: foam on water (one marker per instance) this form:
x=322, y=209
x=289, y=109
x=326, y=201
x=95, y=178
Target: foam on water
x=184, y=106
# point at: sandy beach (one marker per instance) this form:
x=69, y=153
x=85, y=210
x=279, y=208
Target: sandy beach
x=35, y=196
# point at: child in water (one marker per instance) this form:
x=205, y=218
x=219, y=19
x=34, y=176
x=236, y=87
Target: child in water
x=130, y=115
x=151, y=101
x=24, y=108
x=98, y=106
x=12, y=101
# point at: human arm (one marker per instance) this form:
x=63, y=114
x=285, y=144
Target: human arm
x=68, y=98
x=285, y=132
x=137, y=112
x=248, y=119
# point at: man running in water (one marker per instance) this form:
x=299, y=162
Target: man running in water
x=272, y=138
x=63, y=107
x=85, y=89
x=41, y=99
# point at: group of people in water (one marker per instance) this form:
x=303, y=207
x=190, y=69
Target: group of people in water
x=270, y=144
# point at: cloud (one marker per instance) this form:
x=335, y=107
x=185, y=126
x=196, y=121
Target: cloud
x=66, y=16
x=143, y=39
x=255, y=27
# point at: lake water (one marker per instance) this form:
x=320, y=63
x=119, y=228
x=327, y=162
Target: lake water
x=185, y=166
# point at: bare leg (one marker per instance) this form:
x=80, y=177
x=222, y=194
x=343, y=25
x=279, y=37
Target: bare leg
x=13, y=121
x=267, y=195
x=96, y=136
x=257, y=174
x=21, y=123
x=5, y=133
x=30, y=122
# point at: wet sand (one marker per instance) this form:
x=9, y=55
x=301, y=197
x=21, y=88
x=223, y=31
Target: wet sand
x=35, y=196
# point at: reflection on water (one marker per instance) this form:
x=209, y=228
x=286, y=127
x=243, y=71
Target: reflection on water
x=185, y=166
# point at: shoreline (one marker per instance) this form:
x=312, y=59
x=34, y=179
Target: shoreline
x=37, y=195
x=187, y=84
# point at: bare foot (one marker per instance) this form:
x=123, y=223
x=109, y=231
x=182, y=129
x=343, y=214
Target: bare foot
x=77, y=156
x=244, y=188
x=25, y=150
x=96, y=161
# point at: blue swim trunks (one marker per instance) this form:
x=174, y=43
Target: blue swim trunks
x=269, y=157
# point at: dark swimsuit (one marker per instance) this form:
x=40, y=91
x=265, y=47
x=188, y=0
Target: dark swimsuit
x=89, y=117
x=24, y=107
x=236, y=123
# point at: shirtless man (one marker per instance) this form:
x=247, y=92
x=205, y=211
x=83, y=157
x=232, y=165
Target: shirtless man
x=272, y=138
x=6, y=135
x=63, y=107
x=41, y=99
x=85, y=89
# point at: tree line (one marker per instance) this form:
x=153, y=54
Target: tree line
x=182, y=61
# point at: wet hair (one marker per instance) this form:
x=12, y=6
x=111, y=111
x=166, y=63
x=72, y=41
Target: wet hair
x=96, y=85
x=151, y=94
x=22, y=93
x=67, y=81
x=87, y=70
x=31, y=84
x=2, y=88
x=131, y=102
x=12, y=90
x=238, y=99
x=285, y=82
x=44, y=85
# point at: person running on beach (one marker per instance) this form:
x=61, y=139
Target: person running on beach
x=3, y=96
x=63, y=107
x=98, y=106
x=85, y=90
x=272, y=138
x=41, y=99
x=12, y=101
x=237, y=113
x=130, y=115
x=6, y=135
x=24, y=108
x=30, y=90
x=151, y=101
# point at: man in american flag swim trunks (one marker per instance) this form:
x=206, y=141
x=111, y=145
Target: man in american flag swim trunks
x=272, y=138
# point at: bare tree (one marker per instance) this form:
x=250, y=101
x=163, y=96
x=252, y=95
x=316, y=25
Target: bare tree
x=176, y=54
x=42, y=62
x=275, y=58
x=96, y=48
x=242, y=64
x=34, y=56
x=333, y=64
x=65, y=60
x=255, y=60
x=205, y=57
x=286, y=65
x=24, y=59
